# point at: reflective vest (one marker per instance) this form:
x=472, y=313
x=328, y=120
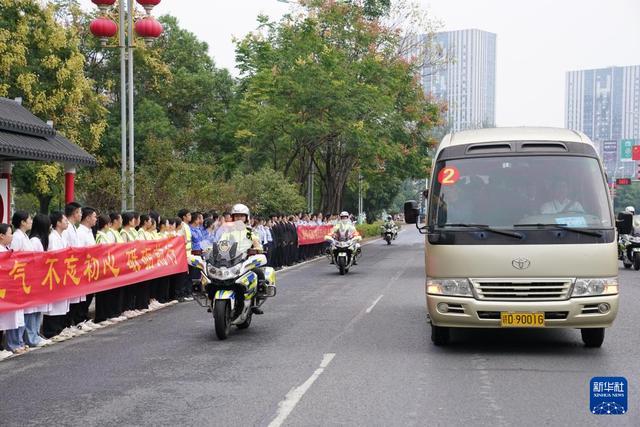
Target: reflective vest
x=238, y=235
x=343, y=228
x=116, y=236
x=101, y=237
x=142, y=235
x=129, y=235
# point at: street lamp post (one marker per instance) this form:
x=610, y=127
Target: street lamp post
x=122, y=40
x=104, y=28
x=360, y=200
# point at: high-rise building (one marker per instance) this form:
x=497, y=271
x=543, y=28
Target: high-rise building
x=467, y=79
x=604, y=103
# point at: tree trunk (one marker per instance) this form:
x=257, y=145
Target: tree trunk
x=333, y=192
x=44, y=203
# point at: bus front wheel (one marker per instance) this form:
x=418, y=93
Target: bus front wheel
x=440, y=335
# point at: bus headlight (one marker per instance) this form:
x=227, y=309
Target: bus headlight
x=451, y=287
x=594, y=287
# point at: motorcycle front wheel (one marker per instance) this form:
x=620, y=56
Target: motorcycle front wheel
x=341, y=266
x=222, y=318
x=636, y=261
x=247, y=322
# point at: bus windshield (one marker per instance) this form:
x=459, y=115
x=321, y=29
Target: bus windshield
x=520, y=191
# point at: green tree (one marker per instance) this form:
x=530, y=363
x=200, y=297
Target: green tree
x=330, y=88
x=40, y=61
x=181, y=103
x=267, y=191
x=627, y=195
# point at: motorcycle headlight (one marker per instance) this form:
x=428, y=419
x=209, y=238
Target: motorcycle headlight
x=594, y=287
x=211, y=270
x=223, y=273
x=451, y=287
x=235, y=271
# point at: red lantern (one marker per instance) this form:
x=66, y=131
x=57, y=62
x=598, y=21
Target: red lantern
x=148, y=4
x=148, y=29
x=104, y=29
x=103, y=5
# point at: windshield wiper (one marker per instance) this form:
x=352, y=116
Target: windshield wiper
x=486, y=228
x=563, y=227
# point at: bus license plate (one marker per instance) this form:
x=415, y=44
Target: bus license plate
x=521, y=320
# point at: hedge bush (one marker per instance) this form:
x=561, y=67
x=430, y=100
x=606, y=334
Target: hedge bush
x=369, y=230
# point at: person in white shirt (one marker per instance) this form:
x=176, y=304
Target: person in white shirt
x=14, y=319
x=73, y=213
x=85, y=229
x=89, y=218
x=56, y=320
x=21, y=222
x=39, y=238
x=561, y=202
x=269, y=238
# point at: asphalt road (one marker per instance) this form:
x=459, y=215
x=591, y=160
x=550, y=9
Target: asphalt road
x=330, y=350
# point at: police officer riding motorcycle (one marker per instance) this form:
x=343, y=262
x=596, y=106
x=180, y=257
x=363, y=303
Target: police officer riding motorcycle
x=389, y=230
x=345, y=244
x=629, y=244
x=236, y=281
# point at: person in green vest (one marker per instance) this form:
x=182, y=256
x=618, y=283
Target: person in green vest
x=129, y=234
x=105, y=300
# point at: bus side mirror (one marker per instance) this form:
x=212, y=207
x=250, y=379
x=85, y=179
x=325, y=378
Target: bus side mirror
x=624, y=223
x=411, y=212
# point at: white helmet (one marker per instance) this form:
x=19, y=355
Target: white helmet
x=630, y=209
x=344, y=214
x=240, y=209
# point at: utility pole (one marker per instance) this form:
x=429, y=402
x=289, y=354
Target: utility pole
x=131, y=124
x=123, y=107
x=360, y=202
x=105, y=29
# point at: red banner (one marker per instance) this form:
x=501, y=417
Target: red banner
x=29, y=279
x=312, y=234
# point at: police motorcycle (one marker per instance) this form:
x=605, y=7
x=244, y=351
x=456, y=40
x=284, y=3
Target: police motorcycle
x=344, y=251
x=232, y=286
x=628, y=244
x=389, y=232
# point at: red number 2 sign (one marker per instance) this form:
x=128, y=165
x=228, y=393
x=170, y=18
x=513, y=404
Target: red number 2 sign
x=449, y=175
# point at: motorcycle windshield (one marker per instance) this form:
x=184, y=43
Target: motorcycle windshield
x=344, y=235
x=231, y=245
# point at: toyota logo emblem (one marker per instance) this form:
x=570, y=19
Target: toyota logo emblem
x=521, y=263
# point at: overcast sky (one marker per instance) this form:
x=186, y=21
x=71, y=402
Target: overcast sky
x=538, y=40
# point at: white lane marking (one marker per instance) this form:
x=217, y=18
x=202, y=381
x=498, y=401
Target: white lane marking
x=293, y=397
x=374, y=304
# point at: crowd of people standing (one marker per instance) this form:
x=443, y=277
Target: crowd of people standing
x=79, y=226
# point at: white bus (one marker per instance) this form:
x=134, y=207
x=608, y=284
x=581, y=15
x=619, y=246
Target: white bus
x=520, y=233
